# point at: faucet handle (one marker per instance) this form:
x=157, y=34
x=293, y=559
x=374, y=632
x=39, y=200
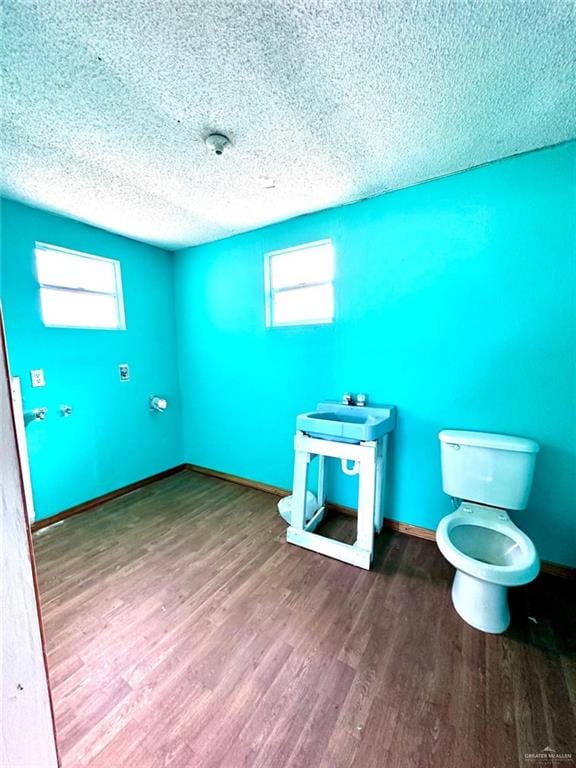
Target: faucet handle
x=361, y=399
x=347, y=398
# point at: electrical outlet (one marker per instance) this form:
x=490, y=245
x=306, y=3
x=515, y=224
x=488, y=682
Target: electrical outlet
x=37, y=377
x=124, y=372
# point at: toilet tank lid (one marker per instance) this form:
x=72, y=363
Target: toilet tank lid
x=489, y=440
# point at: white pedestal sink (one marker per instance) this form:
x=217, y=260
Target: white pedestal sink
x=348, y=433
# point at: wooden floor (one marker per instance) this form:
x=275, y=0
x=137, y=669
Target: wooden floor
x=183, y=631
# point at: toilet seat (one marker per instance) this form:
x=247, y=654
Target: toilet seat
x=491, y=548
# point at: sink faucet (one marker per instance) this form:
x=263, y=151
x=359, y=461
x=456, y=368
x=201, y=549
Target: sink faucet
x=359, y=401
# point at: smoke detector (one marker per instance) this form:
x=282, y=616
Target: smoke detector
x=216, y=143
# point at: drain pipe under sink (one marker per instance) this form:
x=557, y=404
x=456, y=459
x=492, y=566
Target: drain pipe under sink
x=349, y=470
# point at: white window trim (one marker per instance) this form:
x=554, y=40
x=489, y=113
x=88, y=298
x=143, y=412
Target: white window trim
x=117, y=293
x=270, y=292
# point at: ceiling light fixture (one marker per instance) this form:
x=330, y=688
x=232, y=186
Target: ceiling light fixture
x=216, y=143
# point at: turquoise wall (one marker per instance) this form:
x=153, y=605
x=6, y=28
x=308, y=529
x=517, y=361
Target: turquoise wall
x=455, y=300
x=111, y=439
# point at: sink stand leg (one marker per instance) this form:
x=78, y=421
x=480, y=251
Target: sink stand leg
x=301, y=464
x=380, y=475
x=366, y=499
x=321, y=480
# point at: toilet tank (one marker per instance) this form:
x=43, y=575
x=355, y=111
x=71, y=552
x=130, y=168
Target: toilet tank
x=487, y=468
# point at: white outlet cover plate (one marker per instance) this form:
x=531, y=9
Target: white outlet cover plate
x=37, y=377
x=124, y=372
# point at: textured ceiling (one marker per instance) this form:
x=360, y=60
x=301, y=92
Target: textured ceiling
x=106, y=103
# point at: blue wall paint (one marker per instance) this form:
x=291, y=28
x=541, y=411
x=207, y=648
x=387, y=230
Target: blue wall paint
x=455, y=301
x=111, y=439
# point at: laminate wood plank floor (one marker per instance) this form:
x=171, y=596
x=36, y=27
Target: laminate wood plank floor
x=183, y=631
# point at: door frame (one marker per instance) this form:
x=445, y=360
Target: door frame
x=28, y=725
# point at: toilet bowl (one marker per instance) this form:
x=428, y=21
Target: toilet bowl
x=490, y=554
x=487, y=474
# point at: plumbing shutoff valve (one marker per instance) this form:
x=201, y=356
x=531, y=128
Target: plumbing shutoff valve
x=158, y=403
x=37, y=414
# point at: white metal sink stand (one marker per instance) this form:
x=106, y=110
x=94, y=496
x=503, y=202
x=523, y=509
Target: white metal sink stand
x=371, y=458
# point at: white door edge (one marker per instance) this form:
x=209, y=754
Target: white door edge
x=16, y=390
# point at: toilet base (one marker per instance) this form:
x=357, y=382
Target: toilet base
x=481, y=604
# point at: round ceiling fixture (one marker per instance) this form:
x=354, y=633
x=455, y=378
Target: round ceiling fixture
x=216, y=143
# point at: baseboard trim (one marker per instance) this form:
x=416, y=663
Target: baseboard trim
x=394, y=525
x=554, y=569
x=88, y=505
x=557, y=569
x=256, y=484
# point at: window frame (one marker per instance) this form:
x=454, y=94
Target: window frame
x=118, y=293
x=270, y=292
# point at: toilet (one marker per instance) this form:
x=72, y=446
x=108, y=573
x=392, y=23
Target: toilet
x=487, y=475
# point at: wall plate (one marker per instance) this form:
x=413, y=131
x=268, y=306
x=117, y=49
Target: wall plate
x=37, y=377
x=124, y=372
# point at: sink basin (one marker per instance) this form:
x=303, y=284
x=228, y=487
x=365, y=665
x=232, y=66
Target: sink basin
x=347, y=423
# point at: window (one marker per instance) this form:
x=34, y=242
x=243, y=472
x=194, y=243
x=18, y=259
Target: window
x=78, y=290
x=300, y=285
